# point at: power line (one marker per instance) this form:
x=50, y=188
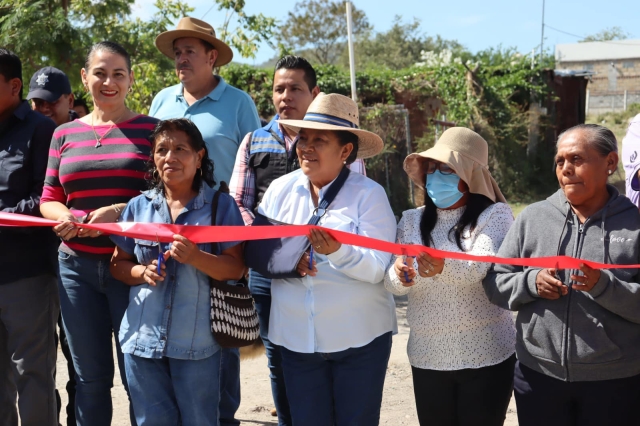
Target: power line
x=563, y=32
x=582, y=37
x=207, y=12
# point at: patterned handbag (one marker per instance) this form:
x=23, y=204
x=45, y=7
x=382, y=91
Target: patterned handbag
x=234, y=319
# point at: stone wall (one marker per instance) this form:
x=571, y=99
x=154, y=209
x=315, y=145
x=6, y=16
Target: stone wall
x=610, y=76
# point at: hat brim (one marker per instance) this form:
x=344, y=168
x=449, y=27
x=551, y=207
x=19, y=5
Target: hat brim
x=164, y=43
x=45, y=95
x=477, y=177
x=369, y=144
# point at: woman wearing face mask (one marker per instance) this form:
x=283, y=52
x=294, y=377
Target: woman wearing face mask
x=461, y=347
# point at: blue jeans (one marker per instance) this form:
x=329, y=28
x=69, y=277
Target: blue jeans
x=229, y=370
x=172, y=392
x=92, y=303
x=340, y=388
x=260, y=287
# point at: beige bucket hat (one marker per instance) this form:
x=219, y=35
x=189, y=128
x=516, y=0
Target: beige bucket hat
x=467, y=153
x=337, y=112
x=191, y=27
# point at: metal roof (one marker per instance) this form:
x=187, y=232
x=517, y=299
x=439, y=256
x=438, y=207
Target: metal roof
x=598, y=51
x=574, y=73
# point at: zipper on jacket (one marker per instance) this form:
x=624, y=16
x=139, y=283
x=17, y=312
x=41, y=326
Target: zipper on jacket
x=576, y=247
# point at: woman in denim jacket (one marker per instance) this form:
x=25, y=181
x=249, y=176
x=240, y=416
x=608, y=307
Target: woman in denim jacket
x=172, y=360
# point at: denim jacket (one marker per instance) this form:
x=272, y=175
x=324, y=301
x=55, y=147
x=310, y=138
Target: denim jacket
x=171, y=319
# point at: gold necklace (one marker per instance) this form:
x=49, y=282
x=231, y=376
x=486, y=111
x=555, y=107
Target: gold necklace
x=99, y=139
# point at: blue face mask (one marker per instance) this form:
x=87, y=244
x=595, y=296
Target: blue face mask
x=443, y=189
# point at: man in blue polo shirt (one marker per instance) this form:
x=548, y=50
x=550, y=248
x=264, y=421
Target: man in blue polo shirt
x=224, y=115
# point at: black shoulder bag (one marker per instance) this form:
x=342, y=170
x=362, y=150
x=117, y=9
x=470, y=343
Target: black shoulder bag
x=234, y=319
x=279, y=257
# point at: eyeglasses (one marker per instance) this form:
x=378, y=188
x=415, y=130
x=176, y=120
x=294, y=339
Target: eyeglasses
x=444, y=169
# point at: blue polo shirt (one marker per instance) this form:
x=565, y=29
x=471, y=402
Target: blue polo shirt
x=171, y=319
x=224, y=117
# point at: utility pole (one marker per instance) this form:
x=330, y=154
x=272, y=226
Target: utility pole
x=352, y=58
x=542, y=34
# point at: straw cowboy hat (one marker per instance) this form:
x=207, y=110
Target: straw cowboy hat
x=337, y=112
x=467, y=153
x=191, y=27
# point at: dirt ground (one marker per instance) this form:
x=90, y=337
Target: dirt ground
x=398, y=406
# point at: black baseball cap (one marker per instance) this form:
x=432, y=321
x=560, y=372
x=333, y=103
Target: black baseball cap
x=48, y=84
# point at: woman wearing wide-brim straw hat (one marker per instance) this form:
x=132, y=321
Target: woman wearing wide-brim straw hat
x=461, y=347
x=333, y=323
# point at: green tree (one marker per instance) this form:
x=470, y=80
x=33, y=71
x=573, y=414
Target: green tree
x=60, y=32
x=608, y=34
x=249, y=31
x=399, y=47
x=321, y=27
x=48, y=32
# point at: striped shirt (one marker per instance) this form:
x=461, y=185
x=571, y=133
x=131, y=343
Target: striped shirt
x=85, y=177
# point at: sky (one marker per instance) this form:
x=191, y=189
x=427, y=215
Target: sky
x=477, y=25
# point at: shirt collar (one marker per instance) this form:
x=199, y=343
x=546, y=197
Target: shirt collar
x=157, y=198
x=214, y=95
x=285, y=135
x=23, y=110
x=302, y=185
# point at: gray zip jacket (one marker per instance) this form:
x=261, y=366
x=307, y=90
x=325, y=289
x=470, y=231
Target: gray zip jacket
x=583, y=336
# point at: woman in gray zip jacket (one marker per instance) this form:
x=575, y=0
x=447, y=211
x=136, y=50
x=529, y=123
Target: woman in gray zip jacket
x=578, y=331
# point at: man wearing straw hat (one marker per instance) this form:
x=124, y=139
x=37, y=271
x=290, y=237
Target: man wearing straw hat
x=223, y=114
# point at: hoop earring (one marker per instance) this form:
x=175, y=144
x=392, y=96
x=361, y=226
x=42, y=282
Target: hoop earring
x=130, y=89
x=155, y=174
x=86, y=88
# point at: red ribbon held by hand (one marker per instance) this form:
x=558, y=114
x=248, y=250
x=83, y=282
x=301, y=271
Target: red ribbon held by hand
x=219, y=234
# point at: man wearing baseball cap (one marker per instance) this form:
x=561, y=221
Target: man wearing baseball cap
x=50, y=95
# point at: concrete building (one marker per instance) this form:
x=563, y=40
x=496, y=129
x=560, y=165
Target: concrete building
x=615, y=65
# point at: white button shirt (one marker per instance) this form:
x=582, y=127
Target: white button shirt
x=345, y=305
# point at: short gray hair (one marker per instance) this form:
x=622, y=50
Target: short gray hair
x=599, y=137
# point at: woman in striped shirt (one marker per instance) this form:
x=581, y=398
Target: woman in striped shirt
x=96, y=164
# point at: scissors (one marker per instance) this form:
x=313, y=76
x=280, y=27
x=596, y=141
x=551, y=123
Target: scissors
x=160, y=256
x=406, y=275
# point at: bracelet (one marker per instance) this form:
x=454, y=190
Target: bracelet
x=116, y=208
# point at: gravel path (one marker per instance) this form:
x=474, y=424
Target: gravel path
x=398, y=406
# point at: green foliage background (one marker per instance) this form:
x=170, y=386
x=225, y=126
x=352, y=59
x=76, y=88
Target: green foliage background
x=490, y=91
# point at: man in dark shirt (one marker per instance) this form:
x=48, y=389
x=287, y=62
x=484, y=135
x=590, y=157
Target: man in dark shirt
x=28, y=293
x=50, y=94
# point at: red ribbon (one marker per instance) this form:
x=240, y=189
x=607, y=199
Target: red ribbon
x=218, y=234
